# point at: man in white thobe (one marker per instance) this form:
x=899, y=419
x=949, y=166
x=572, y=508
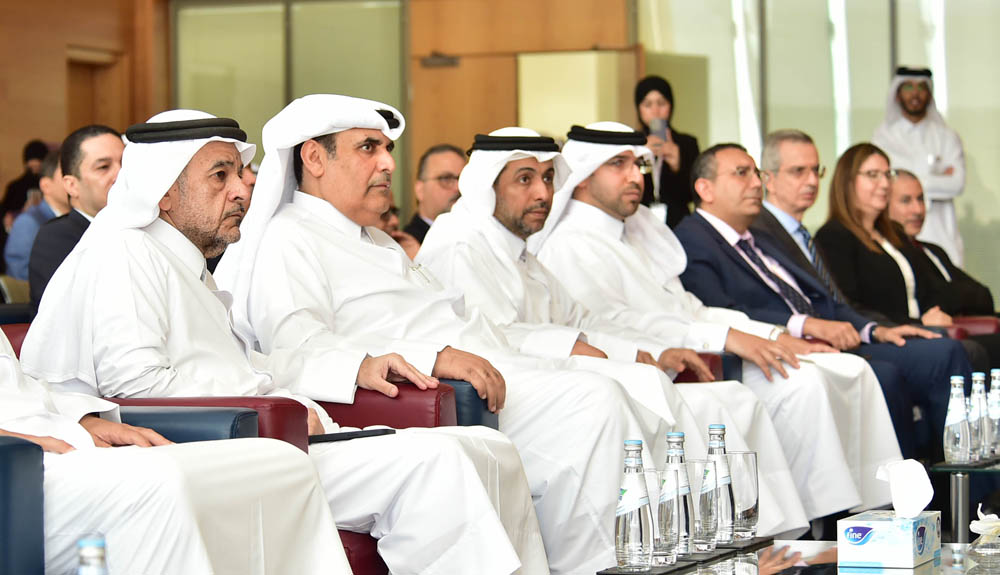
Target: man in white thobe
x=479, y=247
x=312, y=272
x=917, y=139
x=619, y=261
x=214, y=507
x=134, y=313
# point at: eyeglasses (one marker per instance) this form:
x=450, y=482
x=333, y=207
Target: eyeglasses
x=876, y=175
x=799, y=172
x=625, y=164
x=444, y=180
x=743, y=172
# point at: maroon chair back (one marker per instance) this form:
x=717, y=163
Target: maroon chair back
x=15, y=332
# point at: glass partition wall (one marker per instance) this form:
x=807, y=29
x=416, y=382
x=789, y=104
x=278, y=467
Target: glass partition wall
x=824, y=66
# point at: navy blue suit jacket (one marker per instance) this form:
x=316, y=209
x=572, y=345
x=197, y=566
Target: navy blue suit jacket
x=720, y=277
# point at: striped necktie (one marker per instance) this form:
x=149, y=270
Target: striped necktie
x=817, y=263
x=798, y=301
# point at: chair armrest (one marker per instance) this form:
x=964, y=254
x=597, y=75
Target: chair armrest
x=22, y=535
x=714, y=363
x=277, y=417
x=469, y=408
x=185, y=424
x=724, y=366
x=413, y=407
x=732, y=367
x=954, y=332
x=978, y=324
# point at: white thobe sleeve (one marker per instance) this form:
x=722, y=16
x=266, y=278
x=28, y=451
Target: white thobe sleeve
x=293, y=318
x=29, y=407
x=947, y=187
x=620, y=341
x=594, y=275
x=76, y=405
x=463, y=268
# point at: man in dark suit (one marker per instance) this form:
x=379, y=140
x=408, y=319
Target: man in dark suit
x=436, y=188
x=728, y=266
x=90, y=159
x=965, y=295
x=790, y=174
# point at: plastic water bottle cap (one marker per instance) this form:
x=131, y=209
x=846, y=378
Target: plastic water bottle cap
x=633, y=442
x=716, y=426
x=995, y=371
x=979, y=374
x=675, y=434
x=91, y=542
x=957, y=379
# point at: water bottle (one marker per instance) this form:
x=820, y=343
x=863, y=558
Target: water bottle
x=993, y=410
x=91, y=551
x=633, y=516
x=675, y=460
x=717, y=453
x=981, y=438
x=956, y=424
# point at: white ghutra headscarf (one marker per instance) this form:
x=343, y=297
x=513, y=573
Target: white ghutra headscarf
x=305, y=118
x=585, y=151
x=478, y=202
x=57, y=347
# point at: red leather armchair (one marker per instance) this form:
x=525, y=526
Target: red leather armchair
x=285, y=419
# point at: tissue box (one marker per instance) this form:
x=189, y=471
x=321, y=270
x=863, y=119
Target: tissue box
x=880, y=539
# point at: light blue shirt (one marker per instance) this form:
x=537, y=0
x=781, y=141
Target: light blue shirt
x=792, y=226
x=22, y=236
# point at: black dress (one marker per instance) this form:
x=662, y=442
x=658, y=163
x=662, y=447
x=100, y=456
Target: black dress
x=875, y=281
x=675, y=187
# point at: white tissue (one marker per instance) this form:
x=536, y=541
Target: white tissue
x=911, y=488
x=986, y=525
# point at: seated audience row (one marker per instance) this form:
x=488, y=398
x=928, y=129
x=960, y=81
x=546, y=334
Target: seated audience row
x=566, y=303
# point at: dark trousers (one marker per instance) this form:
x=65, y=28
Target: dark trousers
x=899, y=402
x=926, y=365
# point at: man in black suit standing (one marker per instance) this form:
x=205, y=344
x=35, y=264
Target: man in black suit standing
x=729, y=266
x=436, y=188
x=90, y=157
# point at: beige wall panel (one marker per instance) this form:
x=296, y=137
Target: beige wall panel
x=510, y=26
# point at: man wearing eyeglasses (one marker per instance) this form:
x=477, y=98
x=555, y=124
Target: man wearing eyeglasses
x=790, y=173
x=917, y=139
x=731, y=266
x=436, y=187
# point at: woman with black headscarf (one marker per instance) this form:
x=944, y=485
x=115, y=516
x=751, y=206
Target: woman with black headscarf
x=670, y=180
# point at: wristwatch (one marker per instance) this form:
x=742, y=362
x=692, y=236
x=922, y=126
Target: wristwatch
x=776, y=332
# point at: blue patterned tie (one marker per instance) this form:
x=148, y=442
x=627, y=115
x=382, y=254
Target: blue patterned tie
x=817, y=263
x=799, y=303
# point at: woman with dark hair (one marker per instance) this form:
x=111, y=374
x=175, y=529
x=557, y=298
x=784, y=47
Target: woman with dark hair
x=670, y=180
x=867, y=253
